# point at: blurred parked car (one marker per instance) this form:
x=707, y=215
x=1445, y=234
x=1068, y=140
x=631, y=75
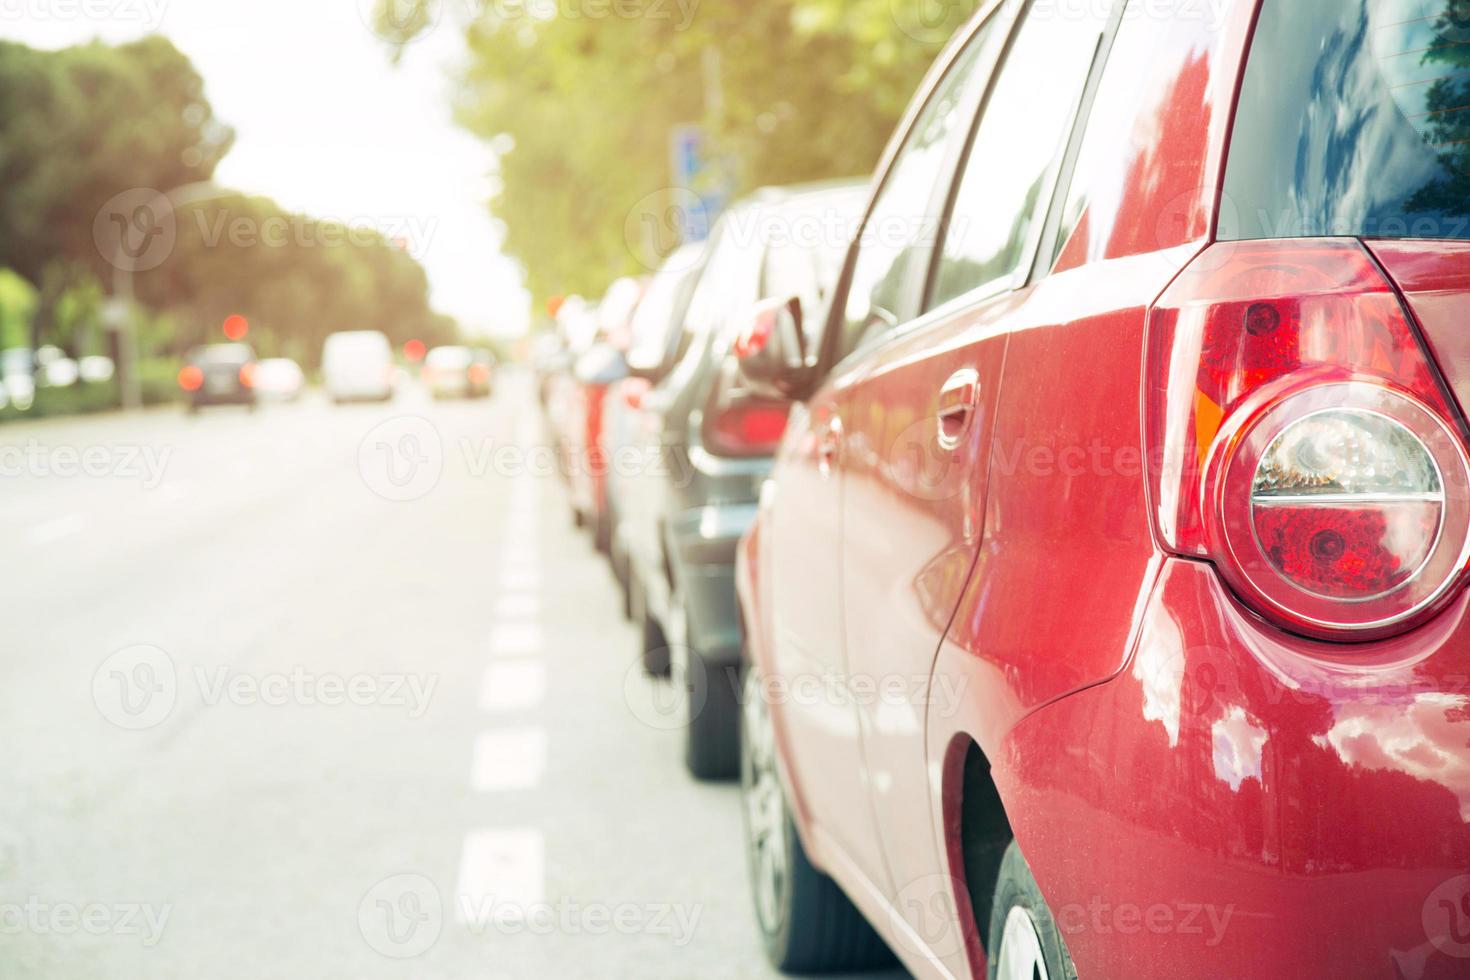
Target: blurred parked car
x=657, y=328
x=1132, y=512
x=357, y=365
x=457, y=372
x=550, y=358
x=60, y=372
x=708, y=441
x=576, y=330
x=18, y=373
x=279, y=379
x=596, y=370
x=219, y=374
x=95, y=369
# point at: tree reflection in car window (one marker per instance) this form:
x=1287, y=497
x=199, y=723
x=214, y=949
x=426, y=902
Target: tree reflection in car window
x=1354, y=119
x=1022, y=134
x=900, y=220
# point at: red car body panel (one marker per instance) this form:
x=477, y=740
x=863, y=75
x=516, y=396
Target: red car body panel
x=1266, y=795
x=1162, y=754
x=1434, y=278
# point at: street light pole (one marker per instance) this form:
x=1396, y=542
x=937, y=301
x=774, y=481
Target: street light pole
x=145, y=240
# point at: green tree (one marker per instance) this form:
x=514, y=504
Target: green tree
x=581, y=107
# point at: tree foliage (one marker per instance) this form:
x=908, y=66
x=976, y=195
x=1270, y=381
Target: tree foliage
x=84, y=124
x=580, y=97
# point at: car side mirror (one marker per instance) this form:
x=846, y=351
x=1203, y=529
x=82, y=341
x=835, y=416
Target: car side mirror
x=771, y=348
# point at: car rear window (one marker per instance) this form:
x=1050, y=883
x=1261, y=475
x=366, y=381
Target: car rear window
x=1354, y=120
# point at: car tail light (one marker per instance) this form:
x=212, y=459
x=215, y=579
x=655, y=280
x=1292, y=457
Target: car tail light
x=634, y=390
x=247, y=375
x=747, y=429
x=479, y=374
x=191, y=378
x=1300, y=438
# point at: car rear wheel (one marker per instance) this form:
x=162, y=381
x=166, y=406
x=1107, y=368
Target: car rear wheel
x=1024, y=941
x=807, y=924
x=712, y=746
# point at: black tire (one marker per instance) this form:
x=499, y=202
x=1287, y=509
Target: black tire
x=712, y=740
x=1015, y=888
x=622, y=572
x=579, y=519
x=809, y=925
x=602, y=533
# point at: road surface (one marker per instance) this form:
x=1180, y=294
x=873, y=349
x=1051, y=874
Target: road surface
x=328, y=692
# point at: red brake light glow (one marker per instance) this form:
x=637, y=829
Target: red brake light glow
x=748, y=428
x=191, y=378
x=1300, y=439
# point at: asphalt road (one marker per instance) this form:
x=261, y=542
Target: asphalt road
x=335, y=692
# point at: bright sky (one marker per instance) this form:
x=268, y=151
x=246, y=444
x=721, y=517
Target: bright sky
x=327, y=126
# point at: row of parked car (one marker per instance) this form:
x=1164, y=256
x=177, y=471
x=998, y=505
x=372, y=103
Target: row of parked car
x=357, y=365
x=1111, y=486
x=23, y=370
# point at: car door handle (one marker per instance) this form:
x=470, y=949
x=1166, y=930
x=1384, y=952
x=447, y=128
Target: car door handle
x=957, y=402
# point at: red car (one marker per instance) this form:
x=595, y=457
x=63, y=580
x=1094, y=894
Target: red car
x=1105, y=610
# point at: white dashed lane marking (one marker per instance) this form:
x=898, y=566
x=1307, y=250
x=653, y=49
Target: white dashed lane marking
x=516, y=640
x=62, y=527
x=513, y=685
x=517, y=605
x=508, y=759
x=503, y=868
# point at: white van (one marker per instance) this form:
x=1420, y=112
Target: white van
x=358, y=365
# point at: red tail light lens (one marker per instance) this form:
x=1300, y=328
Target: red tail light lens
x=191, y=378
x=747, y=429
x=247, y=375
x=1299, y=438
